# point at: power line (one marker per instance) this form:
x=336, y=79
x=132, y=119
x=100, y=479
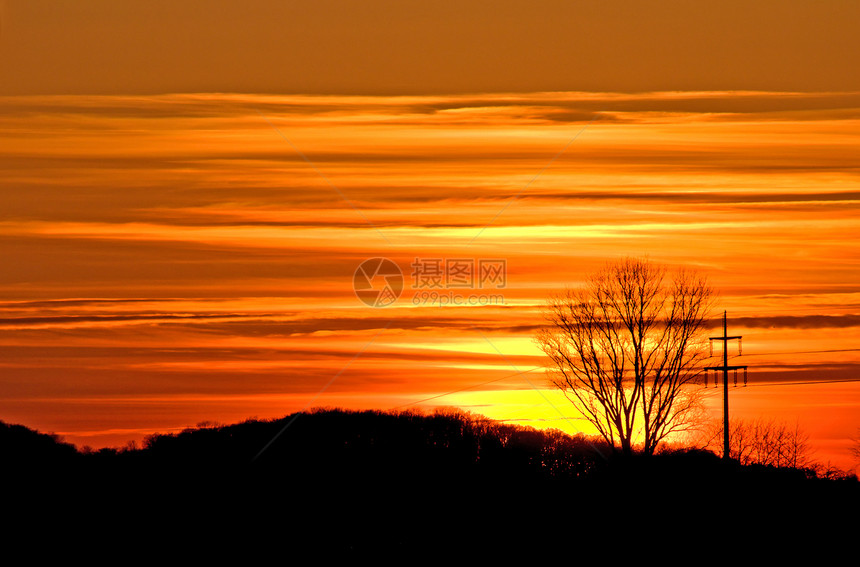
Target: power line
x=848, y=380
x=805, y=352
x=751, y=385
x=764, y=312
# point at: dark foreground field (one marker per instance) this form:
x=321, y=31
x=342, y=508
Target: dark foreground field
x=336, y=483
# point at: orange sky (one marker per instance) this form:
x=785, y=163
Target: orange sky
x=174, y=258
x=445, y=46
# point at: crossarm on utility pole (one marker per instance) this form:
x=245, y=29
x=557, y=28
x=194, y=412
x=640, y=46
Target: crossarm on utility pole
x=725, y=369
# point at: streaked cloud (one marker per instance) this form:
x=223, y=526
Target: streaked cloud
x=172, y=258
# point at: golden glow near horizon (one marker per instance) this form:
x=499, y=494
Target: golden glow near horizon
x=172, y=259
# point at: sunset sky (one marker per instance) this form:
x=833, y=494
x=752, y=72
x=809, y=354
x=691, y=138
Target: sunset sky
x=186, y=195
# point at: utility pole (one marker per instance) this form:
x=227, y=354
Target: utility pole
x=725, y=368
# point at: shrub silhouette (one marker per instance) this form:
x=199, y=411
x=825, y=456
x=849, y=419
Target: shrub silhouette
x=26, y=449
x=374, y=481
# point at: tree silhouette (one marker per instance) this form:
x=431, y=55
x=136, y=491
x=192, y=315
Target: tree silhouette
x=762, y=442
x=855, y=447
x=626, y=346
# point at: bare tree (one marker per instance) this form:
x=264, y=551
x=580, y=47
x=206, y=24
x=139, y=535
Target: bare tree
x=855, y=448
x=626, y=349
x=761, y=441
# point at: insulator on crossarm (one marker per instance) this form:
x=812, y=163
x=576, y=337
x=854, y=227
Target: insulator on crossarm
x=745, y=377
x=740, y=347
x=711, y=344
x=736, y=377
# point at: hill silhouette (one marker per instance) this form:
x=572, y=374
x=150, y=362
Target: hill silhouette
x=25, y=448
x=373, y=482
